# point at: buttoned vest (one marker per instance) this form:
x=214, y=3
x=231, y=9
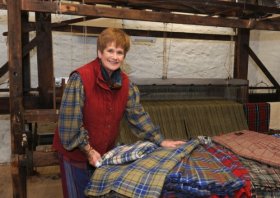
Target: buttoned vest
x=102, y=112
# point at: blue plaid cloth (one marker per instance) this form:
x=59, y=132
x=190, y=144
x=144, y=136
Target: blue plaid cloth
x=142, y=178
x=128, y=153
x=202, y=174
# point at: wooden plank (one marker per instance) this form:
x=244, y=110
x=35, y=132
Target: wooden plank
x=15, y=69
x=45, y=59
x=26, y=57
x=16, y=97
x=190, y=81
x=4, y=69
x=241, y=54
x=208, y=7
x=147, y=33
x=19, y=174
x=25, y=51
x=142, y=15
x=48, y=158
x=41, y=115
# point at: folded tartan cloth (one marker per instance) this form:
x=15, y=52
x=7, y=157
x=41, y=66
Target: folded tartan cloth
x=143, y=177
x=252, y=145
x=128, y=153
x=201, y=174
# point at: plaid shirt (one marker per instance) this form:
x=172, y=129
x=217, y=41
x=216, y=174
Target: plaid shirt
x=70, y=123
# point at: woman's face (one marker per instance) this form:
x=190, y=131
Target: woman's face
x=112, y=57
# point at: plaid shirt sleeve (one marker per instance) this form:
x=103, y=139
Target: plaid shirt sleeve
x=70, y=121
x=139, y=120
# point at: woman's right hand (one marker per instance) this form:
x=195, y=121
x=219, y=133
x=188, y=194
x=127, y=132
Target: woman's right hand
x=94, y=158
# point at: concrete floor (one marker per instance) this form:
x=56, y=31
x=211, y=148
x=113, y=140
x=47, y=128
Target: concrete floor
x=45, y=184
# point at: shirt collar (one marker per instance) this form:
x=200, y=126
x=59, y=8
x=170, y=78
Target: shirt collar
x=115, y=80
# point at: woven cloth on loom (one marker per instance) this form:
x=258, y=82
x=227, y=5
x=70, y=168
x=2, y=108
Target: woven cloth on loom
x=186, y=118
x=257, y=115
x=253, y=145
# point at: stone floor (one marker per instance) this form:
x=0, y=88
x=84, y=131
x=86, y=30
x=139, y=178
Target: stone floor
x=45, y=184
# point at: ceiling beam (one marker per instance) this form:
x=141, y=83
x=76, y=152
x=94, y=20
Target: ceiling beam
x=147, y=33
x=132, y=14
x=200, y=6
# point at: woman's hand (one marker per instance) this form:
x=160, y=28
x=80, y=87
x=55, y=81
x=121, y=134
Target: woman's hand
x=94, y=158
x=171, y=143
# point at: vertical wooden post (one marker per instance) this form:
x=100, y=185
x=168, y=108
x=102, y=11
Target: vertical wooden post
x=16, y=96
x=241, y=54
x=241, y=59
x=45, y=59
x=26, y=58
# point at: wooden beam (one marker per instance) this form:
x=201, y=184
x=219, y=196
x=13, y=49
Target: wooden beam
x=26, y=49
x=241, y=54
x=142, y=15
x=26, y=57
x=16, y=98
x=263, y=68
x=41, y=115
x=31, y=26
x=45, y=59
x=4, y=69
x=208, y=7
x=147, y=33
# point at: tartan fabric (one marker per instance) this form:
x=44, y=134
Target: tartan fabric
x=257, y=115
x=202, y=174
x=263, y=177
x=266, y=194
x=257, y=146
x=231, y=161
x=128, y=153
x=143, y=177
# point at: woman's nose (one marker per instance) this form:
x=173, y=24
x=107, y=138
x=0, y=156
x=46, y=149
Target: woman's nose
x=115, y=55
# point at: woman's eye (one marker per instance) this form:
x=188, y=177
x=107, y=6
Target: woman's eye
x=120, y=53
x=110, y=50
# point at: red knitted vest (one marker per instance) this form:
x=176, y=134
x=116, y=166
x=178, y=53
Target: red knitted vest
x=102, y=112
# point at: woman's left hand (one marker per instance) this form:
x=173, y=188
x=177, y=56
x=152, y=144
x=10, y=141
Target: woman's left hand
x=171, y=143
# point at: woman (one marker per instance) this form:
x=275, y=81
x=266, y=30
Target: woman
x=95, y=99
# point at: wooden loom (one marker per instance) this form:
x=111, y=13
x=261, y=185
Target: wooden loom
x=26, y=108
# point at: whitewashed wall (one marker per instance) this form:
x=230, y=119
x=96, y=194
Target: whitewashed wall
x=183, y=58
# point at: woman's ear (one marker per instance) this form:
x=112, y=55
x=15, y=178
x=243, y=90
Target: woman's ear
x=99, y=53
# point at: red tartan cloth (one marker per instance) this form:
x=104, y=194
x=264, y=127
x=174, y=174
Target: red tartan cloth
x=231, y=161
x=257, y=115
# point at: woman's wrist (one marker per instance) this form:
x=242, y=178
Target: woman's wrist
x=87, y=150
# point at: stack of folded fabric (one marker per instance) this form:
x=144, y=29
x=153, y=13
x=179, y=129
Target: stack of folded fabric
x=201, y=175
